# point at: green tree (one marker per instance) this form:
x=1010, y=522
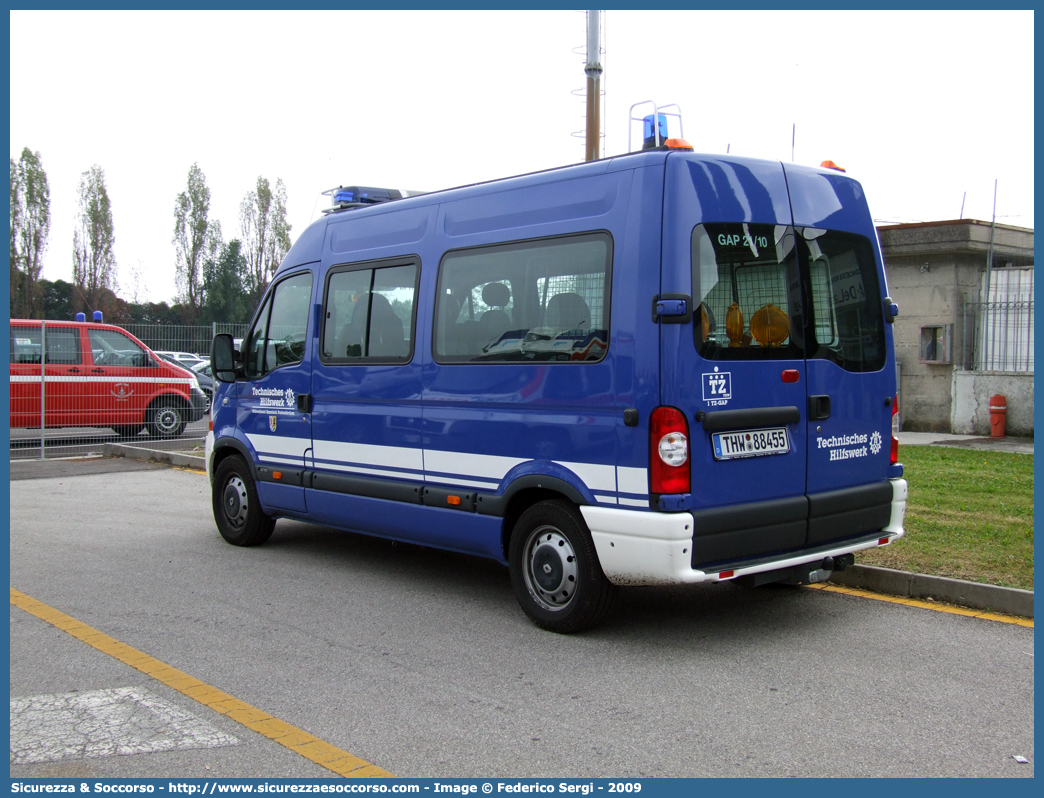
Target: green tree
x=224, y=279
x=30, y=228
x=266, y=234
x=94, y=263
x=192, y=231
x=57, y=300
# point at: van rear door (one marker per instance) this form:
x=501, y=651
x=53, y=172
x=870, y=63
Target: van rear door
x=850, y=374
x=737, y=371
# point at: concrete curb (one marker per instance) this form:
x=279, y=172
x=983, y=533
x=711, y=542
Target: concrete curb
x=1007, y=600
x=155, y=455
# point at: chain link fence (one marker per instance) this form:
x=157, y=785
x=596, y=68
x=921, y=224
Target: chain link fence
x=78, y=386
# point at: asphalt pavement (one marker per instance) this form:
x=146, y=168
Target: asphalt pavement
x=420, y=661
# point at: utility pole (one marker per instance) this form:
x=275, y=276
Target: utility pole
x=593, y=70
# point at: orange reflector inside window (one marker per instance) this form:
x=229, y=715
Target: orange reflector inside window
x=277, y=474
x=454, y=500
x=726, y=574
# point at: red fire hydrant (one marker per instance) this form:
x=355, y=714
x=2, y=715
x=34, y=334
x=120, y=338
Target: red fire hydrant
x=998, y=414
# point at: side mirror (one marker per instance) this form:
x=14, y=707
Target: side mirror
x=222, y=358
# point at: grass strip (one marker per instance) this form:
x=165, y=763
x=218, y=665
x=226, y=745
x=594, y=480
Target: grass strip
x=969, y=516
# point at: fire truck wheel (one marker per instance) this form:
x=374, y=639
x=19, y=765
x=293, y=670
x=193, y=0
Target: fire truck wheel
x=237, y=511
x=166, y=418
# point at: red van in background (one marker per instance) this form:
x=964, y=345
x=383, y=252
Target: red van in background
x=97, y=375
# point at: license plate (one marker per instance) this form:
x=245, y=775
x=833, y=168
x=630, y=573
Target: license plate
x=750, y=443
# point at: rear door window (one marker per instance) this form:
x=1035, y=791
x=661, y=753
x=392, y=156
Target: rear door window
x=847, y=311
x=747, y=292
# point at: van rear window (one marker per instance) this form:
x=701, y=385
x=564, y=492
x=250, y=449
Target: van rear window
x=753, y=283
x=747, y=292
x=528, y=301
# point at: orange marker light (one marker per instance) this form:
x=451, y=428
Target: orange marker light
x=454, y=500
x=277, y=474
x=831, y=165
x=677, y=144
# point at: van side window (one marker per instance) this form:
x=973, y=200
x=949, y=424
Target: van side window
x=25, y=345
x=847, y=312
x=63, y=346
x=111, y=348
x=280, y=333
x=746, y=292
x=544, y=300
x=368, y=314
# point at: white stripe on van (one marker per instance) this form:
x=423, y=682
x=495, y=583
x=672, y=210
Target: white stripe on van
x=632, y=480
x=487, y=466
x=392, y=456
x=596, y=477
x=479, y=471
x=279, y=444
x=88, y=378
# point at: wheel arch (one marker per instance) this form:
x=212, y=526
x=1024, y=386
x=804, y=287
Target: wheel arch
x=526, y=491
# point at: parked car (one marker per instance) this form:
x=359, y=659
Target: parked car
x=186, y=359
x=207, y=383
x=97, y=375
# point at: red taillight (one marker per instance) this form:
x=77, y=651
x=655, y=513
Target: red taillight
x=668, y=451
x=895, y=430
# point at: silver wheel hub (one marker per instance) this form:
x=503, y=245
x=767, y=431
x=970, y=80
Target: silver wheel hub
x=234, y=502
x=167, y=419
x=550, y=568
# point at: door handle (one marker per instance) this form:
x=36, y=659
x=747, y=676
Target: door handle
x=74, y=371
x=304, y=403
x=97, y=371
x=818, y=408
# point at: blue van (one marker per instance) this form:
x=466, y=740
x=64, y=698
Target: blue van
x=657, y=368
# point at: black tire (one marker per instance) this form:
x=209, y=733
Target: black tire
x=128, y=430
x=210, y=398
x=555, y=572
x=166, y=418
x=237, y=511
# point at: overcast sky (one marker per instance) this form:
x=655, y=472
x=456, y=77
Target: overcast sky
x=921, y=107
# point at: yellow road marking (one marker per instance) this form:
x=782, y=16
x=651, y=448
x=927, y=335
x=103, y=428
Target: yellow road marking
x=330, y=757
x=189, y=470
x=926, y=605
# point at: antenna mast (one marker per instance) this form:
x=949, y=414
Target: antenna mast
x=593, y=70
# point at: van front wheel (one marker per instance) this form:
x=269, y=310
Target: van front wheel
x=555, y=571
x=237, y=511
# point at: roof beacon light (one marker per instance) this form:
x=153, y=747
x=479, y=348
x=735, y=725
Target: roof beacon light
x=347, y=197
x=677, y=144
x=831, y=165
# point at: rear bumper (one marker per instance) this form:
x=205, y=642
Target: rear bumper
x=649, y=548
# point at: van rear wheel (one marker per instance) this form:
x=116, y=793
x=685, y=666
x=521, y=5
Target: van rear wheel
x=555, y=572
x=237, y=511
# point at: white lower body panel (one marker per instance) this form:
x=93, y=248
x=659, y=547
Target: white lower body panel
x=650, y=548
